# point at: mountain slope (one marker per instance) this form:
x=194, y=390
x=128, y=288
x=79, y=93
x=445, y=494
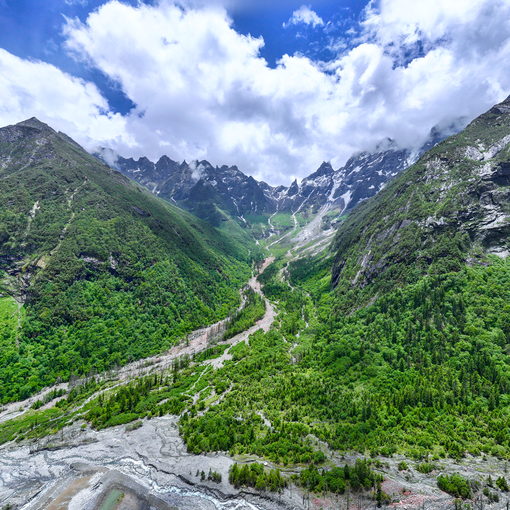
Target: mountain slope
x=101, y=271
x=200, y=187
x=408, y=352
x=450, y=208
x=407, y=355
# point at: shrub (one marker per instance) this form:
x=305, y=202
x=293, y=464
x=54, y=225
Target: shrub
x=425, y=467
x=502, y=484
x=455, y=484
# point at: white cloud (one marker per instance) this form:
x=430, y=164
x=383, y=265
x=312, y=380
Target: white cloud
x=203, y=91
x=33, y=88
x=306, y=16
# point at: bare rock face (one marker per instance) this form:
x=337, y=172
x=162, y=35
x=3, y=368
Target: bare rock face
x=199, y=186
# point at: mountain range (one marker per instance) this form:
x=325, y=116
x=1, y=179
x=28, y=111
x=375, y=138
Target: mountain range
x=202, y=188
x=383, y=356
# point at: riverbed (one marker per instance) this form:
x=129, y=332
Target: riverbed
x=146, y=468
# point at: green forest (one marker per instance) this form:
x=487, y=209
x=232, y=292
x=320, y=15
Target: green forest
x=105, y=272
x=423, y=372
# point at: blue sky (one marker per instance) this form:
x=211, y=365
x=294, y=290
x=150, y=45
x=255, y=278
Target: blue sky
x=33, y=29
x=273, y=86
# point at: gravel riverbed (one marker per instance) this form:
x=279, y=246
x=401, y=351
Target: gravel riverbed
x=78, y=468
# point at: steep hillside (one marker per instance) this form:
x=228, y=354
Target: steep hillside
x=207, y=190
x=450, y=208
x=95, y=270
x=413, y=341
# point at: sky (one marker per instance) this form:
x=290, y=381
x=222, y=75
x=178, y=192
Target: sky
x=272, y=86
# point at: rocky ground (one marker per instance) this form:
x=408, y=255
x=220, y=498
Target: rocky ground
x=79, y=468
x=149, y=468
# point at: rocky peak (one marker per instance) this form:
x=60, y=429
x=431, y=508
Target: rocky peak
x=293, y=188
x=324, y=169
x=35, y=123
x=229, y=188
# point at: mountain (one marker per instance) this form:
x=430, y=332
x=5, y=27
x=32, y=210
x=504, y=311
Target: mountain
x=448, y=209
x=411, y=334
x=393, y=344
x=94, y=269
x=201, y=188
x=360, y=178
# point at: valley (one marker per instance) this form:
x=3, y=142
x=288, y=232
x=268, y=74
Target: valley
x=150, y=466
x=254, y=255
x=364, y=362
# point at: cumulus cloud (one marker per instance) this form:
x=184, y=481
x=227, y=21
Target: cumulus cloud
x=306, y=16
x=33, y=88
x=203, y=91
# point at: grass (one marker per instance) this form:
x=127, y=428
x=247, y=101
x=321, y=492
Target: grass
x=282, y=220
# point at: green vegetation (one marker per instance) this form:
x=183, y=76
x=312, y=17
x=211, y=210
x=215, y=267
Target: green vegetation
x=432, y=352
x=148, y=396
x=254, y=475
x=429, y=219
x=212, y=476
x=426, y=467
x=407, y=354
x=8, y=321
x=423, y=371
x=253, y=311
x=455, y=484
x=402, y=466
x=51, y=395
x=108, y=272
x=282, y=220
x=357, y=477
x=493, y=497
x=502, y=484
